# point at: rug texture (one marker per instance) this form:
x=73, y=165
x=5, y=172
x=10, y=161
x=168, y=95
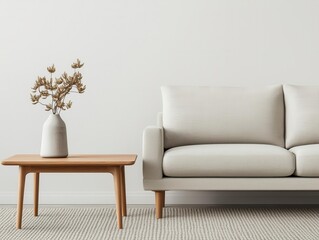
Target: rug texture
x=178, y=223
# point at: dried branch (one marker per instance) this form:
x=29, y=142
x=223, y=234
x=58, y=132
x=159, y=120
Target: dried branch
x=58, y=89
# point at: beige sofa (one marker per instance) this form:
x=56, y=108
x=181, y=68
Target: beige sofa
x=229, y=138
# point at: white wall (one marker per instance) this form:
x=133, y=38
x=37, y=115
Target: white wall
x=131, y=48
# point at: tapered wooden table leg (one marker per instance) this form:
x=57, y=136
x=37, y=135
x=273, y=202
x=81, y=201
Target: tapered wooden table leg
x=22, y=174
x=123, y=195
x=117, y=187
x=36, y=193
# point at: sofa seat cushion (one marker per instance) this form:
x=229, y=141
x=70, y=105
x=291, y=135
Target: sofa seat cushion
x=228, y=160
x=307, y=160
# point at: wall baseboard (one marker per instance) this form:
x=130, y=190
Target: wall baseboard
x=76, y=198
x=186, y=197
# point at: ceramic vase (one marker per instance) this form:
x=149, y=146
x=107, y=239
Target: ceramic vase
x=54, y=138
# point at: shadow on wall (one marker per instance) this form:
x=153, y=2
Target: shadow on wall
x=242, y=197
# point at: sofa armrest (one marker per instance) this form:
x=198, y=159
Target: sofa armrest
x=153, y=150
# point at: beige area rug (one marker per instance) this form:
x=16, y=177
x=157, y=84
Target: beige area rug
x=179, y=223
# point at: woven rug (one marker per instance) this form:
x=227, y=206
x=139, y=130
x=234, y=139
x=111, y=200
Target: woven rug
x=179, y=223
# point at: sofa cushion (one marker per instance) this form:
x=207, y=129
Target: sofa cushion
x=307, y=160
x=302, y=115
x=228, y=160
x=205, y=115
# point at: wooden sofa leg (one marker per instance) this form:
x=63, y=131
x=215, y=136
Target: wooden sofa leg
x=159, y=200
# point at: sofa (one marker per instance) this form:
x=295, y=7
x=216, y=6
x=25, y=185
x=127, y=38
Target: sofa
x=233, y=139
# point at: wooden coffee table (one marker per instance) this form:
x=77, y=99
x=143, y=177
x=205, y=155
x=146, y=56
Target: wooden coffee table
x=31, y=163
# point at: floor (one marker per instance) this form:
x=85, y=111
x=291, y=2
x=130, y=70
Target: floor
x=169, y=205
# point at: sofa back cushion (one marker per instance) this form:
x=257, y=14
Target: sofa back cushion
x=302, y=115
x=205, y=115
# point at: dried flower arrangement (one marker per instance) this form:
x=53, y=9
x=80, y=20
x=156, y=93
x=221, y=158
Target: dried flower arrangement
x=58, y=89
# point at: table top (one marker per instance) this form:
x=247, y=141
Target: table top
x=72, y=160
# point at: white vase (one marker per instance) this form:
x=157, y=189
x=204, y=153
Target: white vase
x=54, y=138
